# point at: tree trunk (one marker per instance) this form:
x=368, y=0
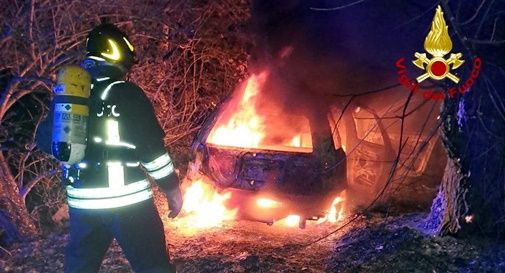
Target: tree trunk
x=471, y=199
x=15, y=219
x=453, y=194
x=472, y=195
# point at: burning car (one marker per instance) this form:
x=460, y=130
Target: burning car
x=272, y=165
x=271, y=172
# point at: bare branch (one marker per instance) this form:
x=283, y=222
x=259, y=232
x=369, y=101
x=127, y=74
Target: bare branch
x=339, y=7
x=29, y=186
x=487, y=42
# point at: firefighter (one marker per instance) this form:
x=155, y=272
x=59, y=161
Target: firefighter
x=108, y=193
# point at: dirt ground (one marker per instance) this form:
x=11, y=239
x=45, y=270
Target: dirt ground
x=372, y=243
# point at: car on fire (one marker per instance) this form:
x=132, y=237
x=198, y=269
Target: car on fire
x=273, y=173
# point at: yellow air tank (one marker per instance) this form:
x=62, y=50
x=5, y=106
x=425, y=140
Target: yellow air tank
x=71, y=113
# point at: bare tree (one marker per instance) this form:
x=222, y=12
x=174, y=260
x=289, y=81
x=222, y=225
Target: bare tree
x=188, y=63
x=472, y=196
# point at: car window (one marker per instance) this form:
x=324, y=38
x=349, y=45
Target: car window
x=367, y=127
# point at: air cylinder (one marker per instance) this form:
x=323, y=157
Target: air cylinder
x=71, y=111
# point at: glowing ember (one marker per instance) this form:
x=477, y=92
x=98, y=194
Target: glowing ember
x=204, y=207
x=244, y=124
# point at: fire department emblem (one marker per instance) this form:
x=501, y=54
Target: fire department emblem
x=438, y=43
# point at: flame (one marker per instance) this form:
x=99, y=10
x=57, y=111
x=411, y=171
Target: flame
x=336, y=212
x=438, y=42
x=291, y=220
x=267, y=203
x=204, y=207
x=243, y=124
x=335, y=215
x=296, y=141
x=244, y=129
x=248, y=120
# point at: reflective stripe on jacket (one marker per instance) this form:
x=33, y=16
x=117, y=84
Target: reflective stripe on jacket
x=123, y=132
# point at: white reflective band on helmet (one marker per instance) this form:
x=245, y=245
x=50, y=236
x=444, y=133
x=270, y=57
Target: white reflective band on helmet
x=109, y=203
x=163, y=172
x=102, y=79
x=107, y=192
x=96, y=58
x=107, y=89
x=158, y=163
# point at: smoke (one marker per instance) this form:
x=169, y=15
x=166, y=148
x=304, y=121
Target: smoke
x=316, y=57
x=321, y=55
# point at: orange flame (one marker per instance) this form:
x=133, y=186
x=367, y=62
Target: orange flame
x=267, y=203
x=291, y=220
x=244, y=129
x=204, y=207
x=243, y=124
x=336, y=213
x=248, y=121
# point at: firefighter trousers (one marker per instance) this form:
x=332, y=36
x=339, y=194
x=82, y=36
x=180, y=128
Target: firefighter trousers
x=137, y=228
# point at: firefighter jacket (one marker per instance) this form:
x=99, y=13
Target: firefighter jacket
x=123, y=137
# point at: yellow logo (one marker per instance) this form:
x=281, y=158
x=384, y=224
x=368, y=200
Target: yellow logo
x=115, y=55
x=438, y=43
